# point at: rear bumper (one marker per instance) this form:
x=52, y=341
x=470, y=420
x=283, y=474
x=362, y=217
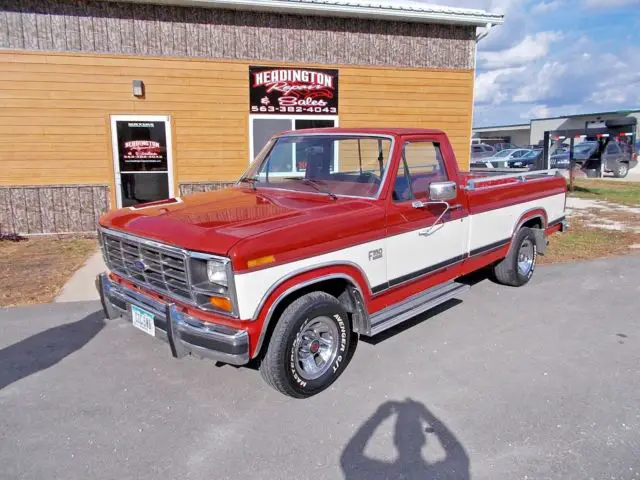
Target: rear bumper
x=185, y=334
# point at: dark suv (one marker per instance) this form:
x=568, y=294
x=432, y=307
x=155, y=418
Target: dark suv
x=617, y=158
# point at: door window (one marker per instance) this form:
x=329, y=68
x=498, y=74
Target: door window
x=613, y=148
x=421, y=164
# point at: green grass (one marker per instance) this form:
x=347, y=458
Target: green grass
x=626, y=193
x=583, y=243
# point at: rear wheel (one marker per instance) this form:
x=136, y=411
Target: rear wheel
x=621, y=170
x=517, y=268
x=310, y=346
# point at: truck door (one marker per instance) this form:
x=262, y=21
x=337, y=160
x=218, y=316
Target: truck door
x=612, y=155
x=420, y=239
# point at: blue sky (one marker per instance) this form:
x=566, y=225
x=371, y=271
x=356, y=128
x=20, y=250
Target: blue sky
x=556, y=57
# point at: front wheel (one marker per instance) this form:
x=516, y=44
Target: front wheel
x=516, y=269
x=310, y=346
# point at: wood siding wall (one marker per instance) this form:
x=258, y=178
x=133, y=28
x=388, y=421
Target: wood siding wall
x=162, y=30
x=54, y=111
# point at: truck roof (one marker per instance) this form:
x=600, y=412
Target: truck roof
x=367, y=131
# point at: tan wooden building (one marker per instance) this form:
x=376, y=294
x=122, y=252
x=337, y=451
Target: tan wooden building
x=104, y=104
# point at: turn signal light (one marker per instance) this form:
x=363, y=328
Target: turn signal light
x=221, y=303
x=256, y=262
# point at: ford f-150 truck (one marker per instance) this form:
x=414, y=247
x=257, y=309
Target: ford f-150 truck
x=329, y=235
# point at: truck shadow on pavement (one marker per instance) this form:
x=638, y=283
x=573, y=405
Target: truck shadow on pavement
x=45, y=349
x=416, y=428
x=406, y=325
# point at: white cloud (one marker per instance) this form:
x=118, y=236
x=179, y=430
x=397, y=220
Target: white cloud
x=546, y=7
x=491, y=86
x=531, y=48
x=542, y=84
x=537, y=111
x=608, y=4
x=527, y=69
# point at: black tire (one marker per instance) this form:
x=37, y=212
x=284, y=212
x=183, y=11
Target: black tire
x=507, y=272
x=279, y=367
x=621, y=170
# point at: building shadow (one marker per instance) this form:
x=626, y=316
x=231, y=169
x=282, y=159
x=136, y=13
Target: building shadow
x=45, y=349
x=416, y=427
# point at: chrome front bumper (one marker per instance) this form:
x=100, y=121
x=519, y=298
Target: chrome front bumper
x=184, y=333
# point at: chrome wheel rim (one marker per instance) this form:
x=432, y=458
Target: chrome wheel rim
x=316, y=348
x=525, y=257
x=622, y=169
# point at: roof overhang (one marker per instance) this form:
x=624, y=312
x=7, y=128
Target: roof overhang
x=503, y=128
x=399, y=11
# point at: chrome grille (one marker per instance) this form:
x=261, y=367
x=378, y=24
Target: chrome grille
x=160, y=268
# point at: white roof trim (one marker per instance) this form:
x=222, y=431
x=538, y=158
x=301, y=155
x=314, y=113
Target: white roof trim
x=398, y=10
x=521, y=126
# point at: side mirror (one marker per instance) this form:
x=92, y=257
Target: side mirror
x=442, y=191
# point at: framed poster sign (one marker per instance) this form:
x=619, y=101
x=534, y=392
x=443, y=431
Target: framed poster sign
x=299, y=91
x=142, y=145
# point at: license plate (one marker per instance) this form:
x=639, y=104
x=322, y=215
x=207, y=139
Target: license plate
x=143, y=320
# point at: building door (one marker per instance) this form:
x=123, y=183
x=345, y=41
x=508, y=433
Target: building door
x=263, y=127
x=142, y=158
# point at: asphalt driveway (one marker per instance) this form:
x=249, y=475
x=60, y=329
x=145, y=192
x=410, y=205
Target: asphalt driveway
x=537, y=382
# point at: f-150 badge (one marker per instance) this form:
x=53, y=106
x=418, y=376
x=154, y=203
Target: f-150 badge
x=375, y=254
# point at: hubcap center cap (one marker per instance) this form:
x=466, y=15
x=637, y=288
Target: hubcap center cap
x=314, y=347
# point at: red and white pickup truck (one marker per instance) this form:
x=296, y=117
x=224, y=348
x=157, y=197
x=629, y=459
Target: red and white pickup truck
x=289, y=266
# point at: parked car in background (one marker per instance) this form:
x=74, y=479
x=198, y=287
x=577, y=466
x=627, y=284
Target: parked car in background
x=617, y=157
x=502, y=158
x=504, y=146
x=528, y=160
x=481, y=150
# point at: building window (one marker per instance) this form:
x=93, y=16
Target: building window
x=262, y=128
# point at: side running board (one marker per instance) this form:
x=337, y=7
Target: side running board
x=423, y=301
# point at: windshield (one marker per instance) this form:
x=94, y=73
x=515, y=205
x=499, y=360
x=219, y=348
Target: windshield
x=503, y=153
x=584, y=148
x=349, y=165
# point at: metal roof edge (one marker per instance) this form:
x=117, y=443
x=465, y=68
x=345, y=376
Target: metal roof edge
x=429, y=14
x=514, y=125
x=613, y=112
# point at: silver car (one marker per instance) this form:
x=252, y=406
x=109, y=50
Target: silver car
x=502, y=158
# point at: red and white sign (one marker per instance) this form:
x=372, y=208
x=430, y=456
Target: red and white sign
x=299, y=91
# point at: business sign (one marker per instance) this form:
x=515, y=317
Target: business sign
x=298, y=91
x=142, y=146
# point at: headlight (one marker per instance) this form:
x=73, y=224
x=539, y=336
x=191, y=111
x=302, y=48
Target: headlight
x=217, y=272
x=212, y=283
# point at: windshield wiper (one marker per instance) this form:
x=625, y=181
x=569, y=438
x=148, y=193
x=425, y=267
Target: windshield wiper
x=250, y=180
x=314, y=184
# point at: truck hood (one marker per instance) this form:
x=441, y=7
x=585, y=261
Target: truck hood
x=213, y=222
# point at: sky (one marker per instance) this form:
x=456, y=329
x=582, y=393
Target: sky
x=556, y=57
